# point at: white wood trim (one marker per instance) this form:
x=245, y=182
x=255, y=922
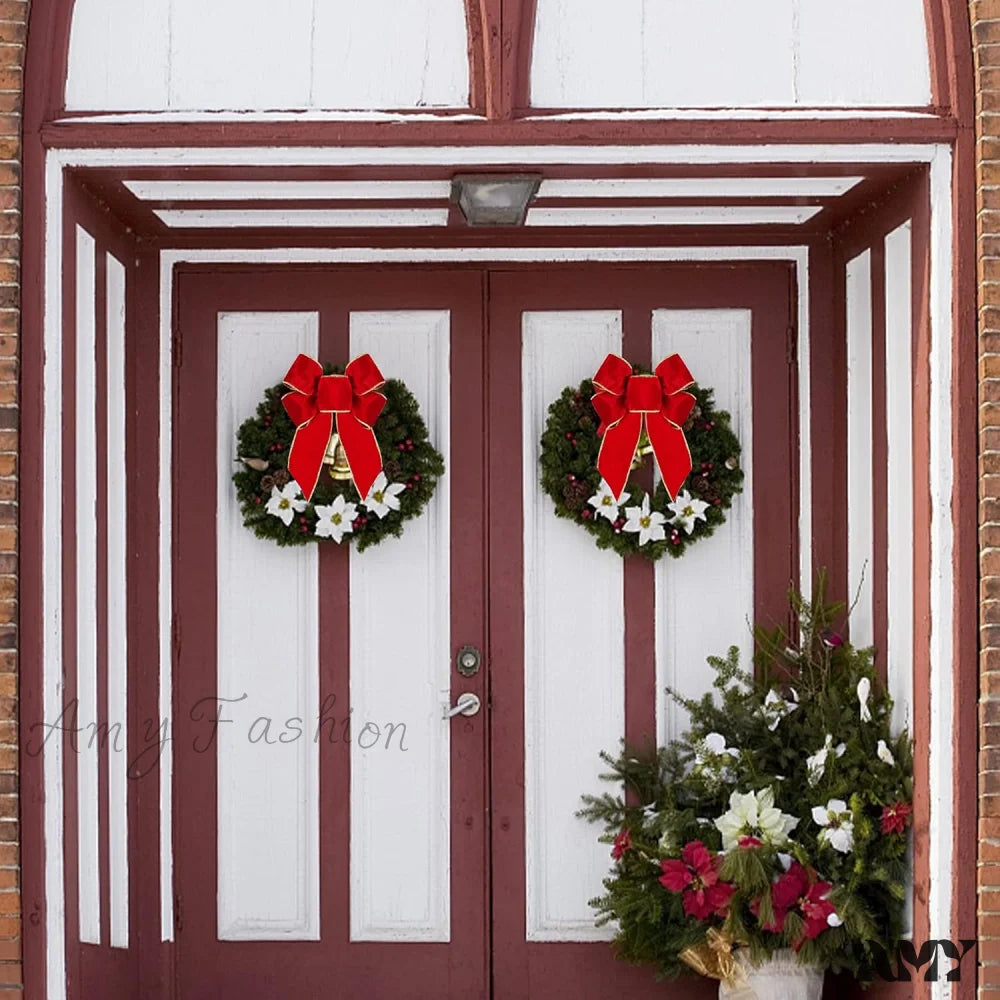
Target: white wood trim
x=117, y=583
x=694, y=215
x=52, y=586
x=268, y=787
x=400, y=882
x=264, y=218
x=899, y=494
x=942, y=485
x=147, y=190
x=696, y=187
x=574, y=648
x=899, y=499
x=455, y=156
x=860, y=502
x=716, y=346
x=85, y=489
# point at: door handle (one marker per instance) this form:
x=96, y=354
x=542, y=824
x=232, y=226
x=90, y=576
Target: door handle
x=467, y=704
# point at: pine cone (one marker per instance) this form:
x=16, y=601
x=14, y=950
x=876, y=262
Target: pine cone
x=575, y=495
x=392, y=470
x=267, y=484
x=282, y=478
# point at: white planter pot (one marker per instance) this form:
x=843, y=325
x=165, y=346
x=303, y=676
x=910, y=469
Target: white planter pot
x=781, y=978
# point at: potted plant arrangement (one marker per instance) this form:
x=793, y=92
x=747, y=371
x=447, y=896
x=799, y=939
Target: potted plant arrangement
x=769, y=843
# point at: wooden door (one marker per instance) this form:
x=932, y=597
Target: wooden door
x=456, y=868
x=313, y=858
x=582, y=643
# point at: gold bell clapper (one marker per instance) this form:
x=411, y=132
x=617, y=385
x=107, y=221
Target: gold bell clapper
x=642, y=449
x=336, y=459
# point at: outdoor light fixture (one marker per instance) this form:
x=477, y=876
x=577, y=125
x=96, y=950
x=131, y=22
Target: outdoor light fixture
x=494, y=199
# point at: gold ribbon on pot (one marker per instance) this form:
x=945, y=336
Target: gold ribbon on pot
x=716, y=960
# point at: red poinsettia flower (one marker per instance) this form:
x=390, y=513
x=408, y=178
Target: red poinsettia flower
x=799, y=889
x=696, y=875
x=623, y=843
x=896, y=818
x=748, y=842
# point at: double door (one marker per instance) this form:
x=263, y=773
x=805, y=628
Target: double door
x=335, y=833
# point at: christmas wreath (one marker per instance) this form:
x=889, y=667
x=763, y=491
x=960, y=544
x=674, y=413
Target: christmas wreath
x=599, y=432
x=380, y=467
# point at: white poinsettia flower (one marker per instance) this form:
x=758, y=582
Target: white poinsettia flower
x=686, y=510
x=754, y=814
x=885, y=754
x=604, y=502
x=837, y=823
x=776, y=707
x=383, y=496
x=336, y=519
x=864, y=693
x=285, y=503
x=648, y=523
x=816, y=763
x=715, y=743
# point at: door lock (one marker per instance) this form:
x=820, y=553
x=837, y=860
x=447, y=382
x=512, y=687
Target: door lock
x=468, y=661
x=467, y=704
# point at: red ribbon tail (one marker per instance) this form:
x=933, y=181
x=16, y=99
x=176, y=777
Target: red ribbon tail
x=305, y=458
x=362, y=451
x=617, y=451
x=670, y=449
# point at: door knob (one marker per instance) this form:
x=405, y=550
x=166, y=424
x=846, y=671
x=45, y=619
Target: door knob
x=467, y=704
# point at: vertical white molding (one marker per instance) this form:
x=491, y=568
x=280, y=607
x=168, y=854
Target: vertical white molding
x=574, y=647
x=165, y=599
x=899, y=500
x=805, y=426
x=52, y=569
x=715, y=345
x=401, y=798
x=942, y=582
x=85, y=488
x=860, y=508
x=899, y=497
x=268, y=778
x=117, y=621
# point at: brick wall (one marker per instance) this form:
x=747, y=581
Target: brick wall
x=986, y=39
x=13, y=21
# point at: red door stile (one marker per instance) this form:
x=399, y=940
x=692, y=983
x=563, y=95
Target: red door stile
x=333, y=965
x=525, y=969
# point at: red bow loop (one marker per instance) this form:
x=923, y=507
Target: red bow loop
x=626, y=403
x=316, y=401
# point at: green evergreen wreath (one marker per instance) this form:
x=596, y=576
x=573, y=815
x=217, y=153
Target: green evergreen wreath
x=570, y=446
x=411, y=466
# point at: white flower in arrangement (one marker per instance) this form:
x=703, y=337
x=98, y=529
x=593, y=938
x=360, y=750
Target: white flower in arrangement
x=776, y=707
x=686, y=510
x=715, y=743
x=286, y=503
x=754, y=815
x=816, y=763
x=336, y=519
x=864, y=693
x=885, y=754
x=604, y=502
x=383, y=496
x=837, y=823
x=648, y=523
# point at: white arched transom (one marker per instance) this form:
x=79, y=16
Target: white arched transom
x=694, y=54
x=255, y=55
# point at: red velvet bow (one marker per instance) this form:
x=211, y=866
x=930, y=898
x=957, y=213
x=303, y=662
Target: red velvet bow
x=625, y=402
x=313, y=403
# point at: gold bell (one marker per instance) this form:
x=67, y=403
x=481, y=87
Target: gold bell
x=642, y=449
x=336, y=459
